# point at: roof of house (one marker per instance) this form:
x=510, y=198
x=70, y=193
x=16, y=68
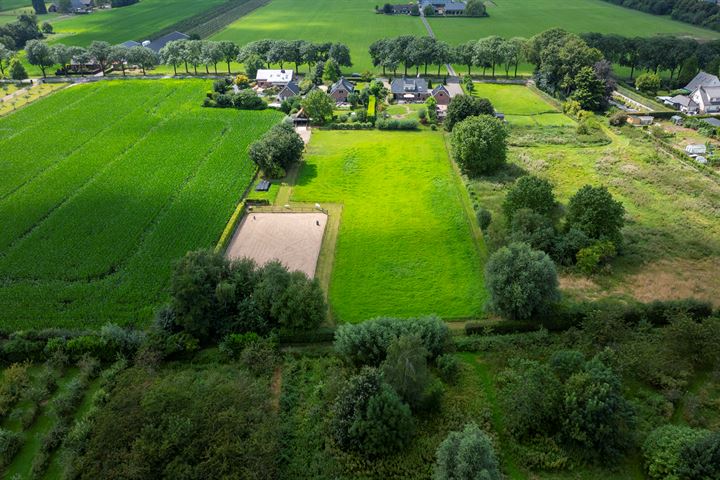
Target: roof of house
x=159, y=43
x=712, y=121
x=440, y=88
x=643, y=118
x=274, y=76
x=702, y=79
x=130, y=44
x=292, y=86
x=455, y=6
x=404, y=85
x=708, y=93
x=342, y=83
x=683, y=100
x=697, y=147
x=75, y=3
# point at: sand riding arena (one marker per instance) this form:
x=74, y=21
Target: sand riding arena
x=293, y=238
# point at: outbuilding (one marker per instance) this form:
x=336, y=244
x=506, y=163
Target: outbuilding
x=640, y=120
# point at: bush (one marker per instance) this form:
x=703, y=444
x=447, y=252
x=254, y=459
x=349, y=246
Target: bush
x=387, y=424
x=16, y=379
x=405, y=369
x=248, y=99
x=448, y=368
x=479, y=144
x=465, y=106
x=10, y=445
x=484, y=217
x=467, y=454
x=618, y=119
x=232, y=345
x=534, y=229
x=648, y=83
x=532, y=193
x=662, y=450
x=700, y=459
x=522, y=282
x=367, y=343
x=396, y=124
x=590, y=259
x=593, y=211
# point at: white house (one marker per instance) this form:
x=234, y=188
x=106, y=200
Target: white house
x=273, y=78
x=707, y=99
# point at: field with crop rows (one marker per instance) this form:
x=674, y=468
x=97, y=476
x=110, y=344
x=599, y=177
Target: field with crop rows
x=106, y=186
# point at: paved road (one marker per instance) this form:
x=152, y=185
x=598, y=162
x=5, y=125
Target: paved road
x=450, y=69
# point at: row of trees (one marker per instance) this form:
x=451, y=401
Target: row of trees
x=681, y=56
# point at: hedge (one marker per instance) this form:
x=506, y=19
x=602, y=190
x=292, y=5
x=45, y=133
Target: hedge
x=351, y=126
x=371, y=108
x=230, y=227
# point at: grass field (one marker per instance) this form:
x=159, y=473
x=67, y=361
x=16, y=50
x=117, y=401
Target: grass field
x=103, y=187
x=405, y=245
x=352, y=22
x=521, y=106
x=136, y=22
x=525, y=18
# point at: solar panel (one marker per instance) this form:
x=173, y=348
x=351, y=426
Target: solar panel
x=262, y=186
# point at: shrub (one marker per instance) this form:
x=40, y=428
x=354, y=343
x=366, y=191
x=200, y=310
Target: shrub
x=405, y=368
x=662, y=450
x=387, y=424
x=465, y=106
x=10, y=444
x=593, y=211
x=484, y=217
x=448, y=367
x=568, y=244
x=233, y=344
x=367, y=343
x=260, y=357
x=16, y=379
x=521, y=281
x=479, y=144
x=648, y=83
x=533, y=229
x=351, y=404
x=590, y=259
x=532, y=193
x=618, y=119
x=248, y=99
x=396, y=124
x=467, y=454
x=700, y=459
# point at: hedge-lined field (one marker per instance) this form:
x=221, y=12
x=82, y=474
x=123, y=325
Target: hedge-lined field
x=405, y=245
x=108, y=184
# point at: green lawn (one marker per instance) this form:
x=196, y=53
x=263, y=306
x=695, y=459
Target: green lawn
x=525, y=18
x=352, y=22
x=521, y=106
x=103, y=186
x=136, y=22
x=405, y=245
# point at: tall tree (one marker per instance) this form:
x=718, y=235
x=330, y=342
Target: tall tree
x=100, y=51
x=119, y=56
x=5, y=56
x=229, y=52
x=40, y=55
x=341, y=54
x=173, y=53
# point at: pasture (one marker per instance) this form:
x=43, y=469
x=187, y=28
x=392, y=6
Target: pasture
x=352, y=22
x=135, y=22
x=521, y=105
x=103, y=186
x=525, y=18
x=405, y=245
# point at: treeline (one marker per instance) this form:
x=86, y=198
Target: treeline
x=678, y=55
x=695, y=12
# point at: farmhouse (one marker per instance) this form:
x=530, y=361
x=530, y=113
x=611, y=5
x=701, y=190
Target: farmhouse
x=409, y=89
x=444, y=7
x=707, y=99
x=157, y=44
x=441, y=95
x=403, y=9
x=290, y=90
x=341, y=89
x=273, y=78
x=76, y=6
x=702, y=79
x=704, y=95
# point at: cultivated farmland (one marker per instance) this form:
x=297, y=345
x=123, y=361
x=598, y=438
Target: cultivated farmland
x=351, y=22
x=405, y=245
x=107, y=185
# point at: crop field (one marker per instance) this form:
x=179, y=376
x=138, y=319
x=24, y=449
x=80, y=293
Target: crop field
x=135, y=22
x=405, y=245
x=103, y=186
x=672, y=222
x=352, y=22
x=525, y=18
x=521, y=106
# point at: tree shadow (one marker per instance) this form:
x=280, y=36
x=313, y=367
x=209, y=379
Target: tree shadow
x=308, y=172
x=506, y=174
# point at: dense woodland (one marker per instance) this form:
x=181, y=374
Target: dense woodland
x=702, y=13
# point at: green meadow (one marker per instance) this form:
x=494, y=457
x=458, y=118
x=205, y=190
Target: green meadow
x=405, y=245
x=352, y=22
x=525, y=18
x=109, y=184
